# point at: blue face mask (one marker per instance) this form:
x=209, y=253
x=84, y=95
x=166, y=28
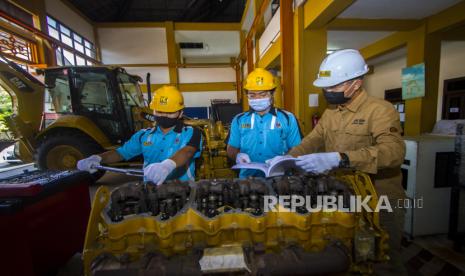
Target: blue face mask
x=260, y=104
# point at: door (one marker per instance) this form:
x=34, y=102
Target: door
x=132, y=101
x=94, y=97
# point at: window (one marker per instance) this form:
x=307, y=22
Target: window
x=84, y=50
x=94, y=92
x=57, y=93
x=130, y=90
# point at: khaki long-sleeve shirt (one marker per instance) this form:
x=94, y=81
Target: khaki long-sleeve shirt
x=367, y=130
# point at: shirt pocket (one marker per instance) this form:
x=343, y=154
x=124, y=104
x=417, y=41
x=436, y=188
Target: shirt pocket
x=276, y=141
x=247, y=140
x=357, y=136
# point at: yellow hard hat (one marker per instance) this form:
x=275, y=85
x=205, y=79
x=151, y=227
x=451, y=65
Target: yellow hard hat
x=167, y=99
x=260, y=79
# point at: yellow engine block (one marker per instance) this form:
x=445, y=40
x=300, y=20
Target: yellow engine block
x=222, y=225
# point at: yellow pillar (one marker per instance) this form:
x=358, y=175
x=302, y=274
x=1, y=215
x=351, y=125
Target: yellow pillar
x=420, y=113
x=287, y=54
x=250, y=67
x=309, y=50
x=278, y=95
x=172, y=53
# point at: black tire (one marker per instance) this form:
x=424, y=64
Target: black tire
x=76, y=142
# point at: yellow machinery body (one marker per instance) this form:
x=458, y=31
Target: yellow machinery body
x=214, y=161
x=125, y=242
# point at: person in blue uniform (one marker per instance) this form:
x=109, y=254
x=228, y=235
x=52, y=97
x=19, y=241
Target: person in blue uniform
x=169, y=148
x=264, y=131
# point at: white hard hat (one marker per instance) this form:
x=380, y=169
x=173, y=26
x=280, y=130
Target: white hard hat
x=339, y=67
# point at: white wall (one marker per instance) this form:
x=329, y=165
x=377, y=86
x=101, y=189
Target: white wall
x=223, y=44
x=271, y=33
x=158, y=75
x=387, y=75
x=133, y=45
x=205, y=75
x=67, y=16
x=452, y=66
x=149, y=46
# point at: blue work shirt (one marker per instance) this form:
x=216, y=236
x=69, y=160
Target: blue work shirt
x=155, y=146
x=265, y=136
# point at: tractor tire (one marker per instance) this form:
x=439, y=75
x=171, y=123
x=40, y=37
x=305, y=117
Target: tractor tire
x=61, y=151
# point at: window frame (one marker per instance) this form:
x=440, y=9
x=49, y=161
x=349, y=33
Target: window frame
x=88, y=48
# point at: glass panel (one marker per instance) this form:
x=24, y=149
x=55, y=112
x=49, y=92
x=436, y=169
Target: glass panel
x=67, y=40
x=51, y=22
x=59, y=93
x=90, y=53
x=88, y=62
x=80, y=60
x=59, y=56
x=77, y=38
x=69, y=57
x=53, y=33
x=130, y=90
x=88, y=44
x=78, y=47
x=65, y=30
x=94, y=91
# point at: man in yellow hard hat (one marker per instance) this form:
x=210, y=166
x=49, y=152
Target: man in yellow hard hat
x=169, y=148
x=264, y=131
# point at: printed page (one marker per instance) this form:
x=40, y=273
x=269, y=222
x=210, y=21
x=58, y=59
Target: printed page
x=255, y=166
x=279, y=166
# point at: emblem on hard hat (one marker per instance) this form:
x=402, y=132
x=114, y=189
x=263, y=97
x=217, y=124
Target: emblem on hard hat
x=163, y=100
x=325, y=74
x=259, y=80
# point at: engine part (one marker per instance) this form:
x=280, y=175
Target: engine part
x=134, y=198
x=182, y=219
x=223, y=196
x=311, y=186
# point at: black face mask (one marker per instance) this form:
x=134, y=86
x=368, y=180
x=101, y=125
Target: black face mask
x=165, y=122
x=335, y=97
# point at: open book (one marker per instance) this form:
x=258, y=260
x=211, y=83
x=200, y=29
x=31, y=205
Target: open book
x=278, y=166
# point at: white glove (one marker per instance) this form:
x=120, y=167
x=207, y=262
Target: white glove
x=158, y=172
x=88, y=163
x=276, y=159
x=242, y=158
x=319, y=162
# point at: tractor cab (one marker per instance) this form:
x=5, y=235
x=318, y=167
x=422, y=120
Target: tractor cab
x=109, y=97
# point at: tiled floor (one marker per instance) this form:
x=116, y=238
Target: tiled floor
x=432, y=255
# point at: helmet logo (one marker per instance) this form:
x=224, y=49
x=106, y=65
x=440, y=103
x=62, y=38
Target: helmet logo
x=325, y=74
x=259, y=80
x=163, y=100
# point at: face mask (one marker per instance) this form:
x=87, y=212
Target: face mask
x=337, y=97
x=260, y=104
x=165, y=122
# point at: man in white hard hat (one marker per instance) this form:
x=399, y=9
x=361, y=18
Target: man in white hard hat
x=361, y=132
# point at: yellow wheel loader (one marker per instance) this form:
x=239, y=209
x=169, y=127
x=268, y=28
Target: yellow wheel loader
x=79, y=111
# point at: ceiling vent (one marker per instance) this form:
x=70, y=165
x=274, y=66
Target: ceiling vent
x=191, y=45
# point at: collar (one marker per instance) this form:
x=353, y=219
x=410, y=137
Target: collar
x=358, y=101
